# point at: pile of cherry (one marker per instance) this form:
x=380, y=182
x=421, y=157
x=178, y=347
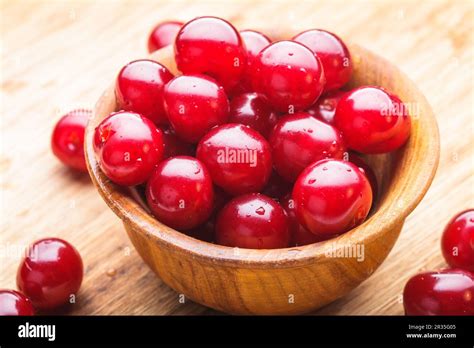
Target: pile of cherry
x=248, y=146
x=251, y=147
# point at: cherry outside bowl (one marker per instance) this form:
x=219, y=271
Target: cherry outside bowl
x=292, y=280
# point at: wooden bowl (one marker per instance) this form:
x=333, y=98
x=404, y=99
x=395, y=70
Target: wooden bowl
x=291, y=280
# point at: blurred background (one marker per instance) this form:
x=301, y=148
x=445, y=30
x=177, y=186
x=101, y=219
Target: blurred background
x=57, y=55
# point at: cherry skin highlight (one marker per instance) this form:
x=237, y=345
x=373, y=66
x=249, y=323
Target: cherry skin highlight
x=372, y=120
x=13, y=303
x=194, y=105
x=289, y=75
x=325, y=108
x=457, y=242
x=332, y=52
x=254, y=42
x=253, y=221
x=163, y=35
x=299, y=140
x=237, y=157
x=67, y=140
x=331, y=197
x=447, y=292
x=50, y=274
x=253, y=110
x=299, y=235
x=128, y=146
x=139, y=88
x=180, y=193
x=211, y=46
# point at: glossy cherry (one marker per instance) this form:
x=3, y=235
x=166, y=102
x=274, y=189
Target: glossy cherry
x=289, y=75
x=163, y=35
x=331, y=197
x=325, y=108
x=332, y=52
x=139, y=88
x=211, y=46
x=457, y=242
x=447, y=292
x=194, y=105
x=372, y=120
x=253, y=110
x=254, y=42
x=50, y=274
x=180, y=192
x=174, y=146
x=253, y=221
x=67, y=140
x=299, y=140
x=128, y=147
x=299, y=234
x=237, y=157
x=369, y=173
x=13, y=303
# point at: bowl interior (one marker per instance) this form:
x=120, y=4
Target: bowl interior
x=403, y=176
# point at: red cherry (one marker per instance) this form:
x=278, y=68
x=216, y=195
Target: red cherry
x=175, y=146
x=325, y=108
x=237, y=157
x=299, y=234
x=128, y=147
x=299, y=140
x=139, y=88
x=372, y=120
x=331, y=197
x=333, y=54
x=289, y=75
x=254, y=42
x=211, y=46
x=50, y=273
x=67, y=141
x=13, y=303
x=163, y=35
x=253, y=110
x=457, y=242
x=276, y=187
x=369, y=173
x=180, y=192
x=194, y=105
x=447, y=292
x=253, y=221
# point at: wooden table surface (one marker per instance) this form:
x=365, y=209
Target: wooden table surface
x=61, y=54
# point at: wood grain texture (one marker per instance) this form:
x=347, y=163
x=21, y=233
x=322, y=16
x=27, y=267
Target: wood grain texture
x=56, y=55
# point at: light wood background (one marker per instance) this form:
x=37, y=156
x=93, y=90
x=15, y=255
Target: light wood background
x=61, y=54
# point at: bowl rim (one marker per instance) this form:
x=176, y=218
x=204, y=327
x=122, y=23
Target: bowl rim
x=390, y=213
